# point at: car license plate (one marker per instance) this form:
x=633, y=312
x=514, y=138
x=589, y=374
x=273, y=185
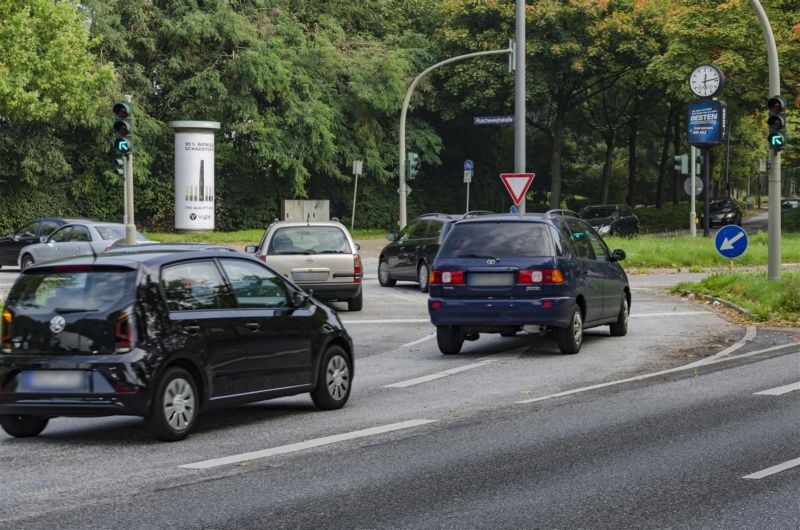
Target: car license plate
x=53, y=380
x=493, y=279
x=311, y=276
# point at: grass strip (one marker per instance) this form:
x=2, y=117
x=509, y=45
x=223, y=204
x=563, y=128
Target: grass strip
x=769, y=301
x=239, y=236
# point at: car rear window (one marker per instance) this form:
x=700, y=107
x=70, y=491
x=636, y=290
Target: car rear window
x=112, y=232
x=74, y=290
x=506, y=240
x=309, y=240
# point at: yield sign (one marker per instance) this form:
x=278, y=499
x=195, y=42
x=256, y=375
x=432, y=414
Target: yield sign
x=517, y=184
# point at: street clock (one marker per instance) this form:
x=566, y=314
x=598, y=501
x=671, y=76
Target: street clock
x=706, y=81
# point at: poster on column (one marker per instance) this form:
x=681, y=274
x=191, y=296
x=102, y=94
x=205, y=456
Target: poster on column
x=194, y=180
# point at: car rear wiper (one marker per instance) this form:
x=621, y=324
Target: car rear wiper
x=331, y=252
x=65, y=310
x=483, y=256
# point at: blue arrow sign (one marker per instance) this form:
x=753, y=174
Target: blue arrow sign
x=731, y=241
x=513, y=209
x=468, y=165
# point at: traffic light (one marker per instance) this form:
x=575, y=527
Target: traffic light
x=119, y=165
x=123, y=128
x=776, y=122
x=682, y=164
x=412, y=165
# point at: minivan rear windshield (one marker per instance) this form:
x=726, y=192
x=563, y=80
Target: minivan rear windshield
x=498, y=240
x=309, y=240
x=73, y=291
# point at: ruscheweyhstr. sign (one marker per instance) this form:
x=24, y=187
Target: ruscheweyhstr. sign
x=493, y=120
x=706, y=123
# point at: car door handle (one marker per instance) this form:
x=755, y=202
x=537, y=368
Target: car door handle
x=191, y=328
x=253, y=326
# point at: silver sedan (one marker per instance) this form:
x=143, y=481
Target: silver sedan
x=74, y=239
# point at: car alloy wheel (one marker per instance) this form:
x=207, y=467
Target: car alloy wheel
x=335, y=380
x=383, y=274
x=27, y=261
x=620, y=327
x=422, y=277
x=570, y=338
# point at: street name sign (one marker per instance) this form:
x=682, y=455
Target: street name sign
x=517, y=184
x=493, y=120
x=731, y=241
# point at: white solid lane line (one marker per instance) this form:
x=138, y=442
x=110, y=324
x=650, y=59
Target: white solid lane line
x=773, y=470
x=418, y=341
x=388, y=321
x=437, y=375
x=778, y=391
x=669, y=314
x=300, y=446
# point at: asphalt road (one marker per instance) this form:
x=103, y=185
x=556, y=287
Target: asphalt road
x=444, y=441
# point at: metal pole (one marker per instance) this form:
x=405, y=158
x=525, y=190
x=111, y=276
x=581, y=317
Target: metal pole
x=404, y=112
x=353, y=217
x=130, y=224
x=728, y=162
x=706, y=191
x=693, y=194
x=519, y=96
x=774, y=219
x=467, y=198
x=125, y=193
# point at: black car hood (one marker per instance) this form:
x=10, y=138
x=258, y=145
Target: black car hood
x=600, y=221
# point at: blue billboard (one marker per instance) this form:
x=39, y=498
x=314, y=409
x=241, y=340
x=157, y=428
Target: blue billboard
x=706, y=123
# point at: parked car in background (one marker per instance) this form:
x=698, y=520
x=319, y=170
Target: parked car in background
x=120, y=247
x=789, y=204
x=29, y=234
x=410, y=253
x=76, y=238
x=507, y=273
x=723, y=212
x=612, y=219
x=163, y=335
x=319, y=256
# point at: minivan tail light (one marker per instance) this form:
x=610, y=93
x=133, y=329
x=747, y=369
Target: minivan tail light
x=124, y=332
x=540, y=276
x=358, y=271
x=446, y=277
x=5, y=329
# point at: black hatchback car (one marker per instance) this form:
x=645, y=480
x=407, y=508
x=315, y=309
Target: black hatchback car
x=507, y=273
x=411, y=252
x=163, y=335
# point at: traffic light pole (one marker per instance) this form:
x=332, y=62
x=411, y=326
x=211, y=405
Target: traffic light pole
x=130, y=226
x=774, y=219
x=404, y=112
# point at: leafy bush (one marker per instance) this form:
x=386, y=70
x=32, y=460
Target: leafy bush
x=668, y=218
x=790, y=221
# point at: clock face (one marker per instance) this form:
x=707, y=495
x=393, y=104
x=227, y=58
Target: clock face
x=705, y=81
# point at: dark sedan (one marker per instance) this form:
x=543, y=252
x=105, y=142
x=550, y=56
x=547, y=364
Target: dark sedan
x=612, y=219
x=29, y=234
x=723, y=212
x=164, y=336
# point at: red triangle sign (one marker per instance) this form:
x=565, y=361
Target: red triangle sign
x=517, y=184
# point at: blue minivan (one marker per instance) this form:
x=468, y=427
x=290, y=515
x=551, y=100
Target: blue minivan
x=503, y=273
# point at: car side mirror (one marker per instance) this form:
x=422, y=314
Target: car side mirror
x=251, y=249
x=618, y=255
x=43, y=239
x=300, y=299
x=358, y=247
x=392, y=237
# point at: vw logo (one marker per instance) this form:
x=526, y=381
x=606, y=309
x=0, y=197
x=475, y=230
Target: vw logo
x=491, y=261
x=57, y=324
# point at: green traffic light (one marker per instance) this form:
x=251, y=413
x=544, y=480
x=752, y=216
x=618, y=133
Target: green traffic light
x=776, y=140
x=122, y=145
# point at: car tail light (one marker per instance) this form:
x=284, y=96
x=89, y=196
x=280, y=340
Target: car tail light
x=123, y=388
x=547, y=303
x=446, y=277
x=5, y=329
x=540, y=276
x=124, y=332
x=357, y=270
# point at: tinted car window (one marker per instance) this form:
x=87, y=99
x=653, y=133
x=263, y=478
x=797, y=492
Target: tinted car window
x=95, y=290
x=195, y=285
x=29, y=230
x=80, y=233
x=434, y=229
x=309, y=240
x=255, y=286
x=599, y=248
x=62, y=235
x=115, y=232
x=48, y=227
x=507, y=240
x=581, y=241
x=596, y=213
x=419, y=229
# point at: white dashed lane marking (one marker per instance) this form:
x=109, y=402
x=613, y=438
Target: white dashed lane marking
x=773, y=470
x=779, y=390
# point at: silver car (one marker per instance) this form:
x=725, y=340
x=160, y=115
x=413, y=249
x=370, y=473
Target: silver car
x=319, y=256
x=74, y=239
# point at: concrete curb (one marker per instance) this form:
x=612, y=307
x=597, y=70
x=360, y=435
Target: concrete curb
x=722, y=302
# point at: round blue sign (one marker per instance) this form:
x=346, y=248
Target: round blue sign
x=731, y=241
x=468, y=165
x=513, y=209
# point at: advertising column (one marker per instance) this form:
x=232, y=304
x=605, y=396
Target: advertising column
x=194, y=174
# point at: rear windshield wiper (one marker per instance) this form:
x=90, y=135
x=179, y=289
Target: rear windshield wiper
x=65, y=310
x=483, y=256
x=331, y=252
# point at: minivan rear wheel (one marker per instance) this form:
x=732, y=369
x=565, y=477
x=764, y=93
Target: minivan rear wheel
x=450, y=339
x=175, y=406
x=620, y=327
x=23, y=426
x=383, y=274
x=570, y=338
x=334, y=381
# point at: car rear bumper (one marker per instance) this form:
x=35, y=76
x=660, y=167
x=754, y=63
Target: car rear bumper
x=332, y=291
x=500, y=312
x=111, y=387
